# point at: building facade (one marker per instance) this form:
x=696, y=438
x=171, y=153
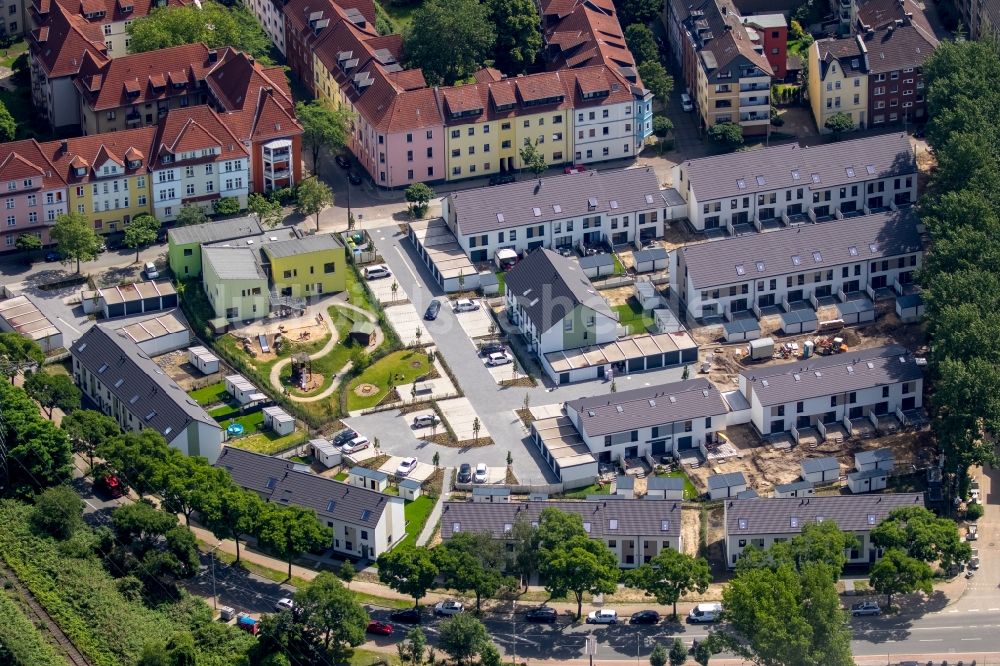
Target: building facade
x=34, y=193
x=235, y=283
x=308, y=266
x=184, y=243
x=838, y=80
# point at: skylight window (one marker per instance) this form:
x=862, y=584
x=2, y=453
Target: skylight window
x=817, y=256
x=271, y=483
x=557, y=208
x=850, y=369
x=331, y=505
x=796, y=175
x=652, y=403
x=508, y=528
x=871, y=366
x=82, y=347
x=797, y=377
x=101, y=369
x=456, y=527
x=796, y=260
x=818, y=373
x=613, y=524
x=586, y=528
x=870, y=169
x=151, y=415
x=167, y=430
x=793, y=521
x=761, y=181
x=740, y=183
x=853, y=250
x=760, y=266
x=664, y=525
x=850, y=172
x=742, y=522
x=740, y=270
x=764, y=383
x=673, y=400
x=614, y=204
x=873, y=247
x=134, y=399
x=815, y=178
x=619, y=408
x=537, y=212
x=872, y=518
x=120, y=381
x=500, y=218
x=365, y=515
x=649, y=198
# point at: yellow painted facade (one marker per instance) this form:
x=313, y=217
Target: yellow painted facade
x=105, y=207
x=309, y=273
x=832, y=91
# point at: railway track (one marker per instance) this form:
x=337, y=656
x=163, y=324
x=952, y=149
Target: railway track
x=38, y=615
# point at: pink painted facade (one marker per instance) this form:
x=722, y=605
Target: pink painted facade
x=32, y=194
x=398, y=159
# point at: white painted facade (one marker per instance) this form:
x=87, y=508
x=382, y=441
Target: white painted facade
x=271, y=19
x=352, y=539
x=198, y=184
x=737, y=543
x=604, y=133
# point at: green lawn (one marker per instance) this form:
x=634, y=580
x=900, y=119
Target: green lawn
x=328, y=366
x=341, y=476
x=401, y=16
x=211, y=394
x=252, y=423
x=402, y=366
x=416, y=513
x=630, y=314
x=690, y=492
x=357, y=295
x=11, y=53
x=502, y=279
x=619, y=267
x=593, y=489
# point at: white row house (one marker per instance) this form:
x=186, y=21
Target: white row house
x=764, y=521
x=831, y=263
x=876, y=389
x=653, y=420
x=571, y=210
x=788, y=184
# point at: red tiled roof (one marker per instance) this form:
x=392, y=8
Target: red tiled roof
x=488, y=74
x=539, y=86
x=197, y=128
x=389, y=108
x=25, y=159
x=60, y=44
x=91, y=152
x=140, y=71
x=409, y=79
x=462, y=99
x=584, y=33
x=105, y=155
x=92, y=7
x=113, y=9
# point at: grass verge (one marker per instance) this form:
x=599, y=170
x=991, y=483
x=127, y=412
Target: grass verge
x=416, y=513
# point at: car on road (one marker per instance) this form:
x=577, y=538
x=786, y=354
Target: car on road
x=150, y=270
x=408, y=616
x=686, y=103
x=406, y=466
x=492, y=348
x=377, y=272
x=425, y=420
x=344, y=436
x=465, y=473
x=431, y=313
x=449, y=607
x=53, y=255
x=972, y=533
x=284, y=604
x=343, y=161
x=481, y=475
x=111, y=485
x=866, y=608
x=465, y=305
x=502, y=179
x=359, y=443
x=645, y=617
x=380, y=628
x=705, y=613
x=542, y=614
x=576, y=168
x=354, y=178
x=603, y=616
x=497, y=358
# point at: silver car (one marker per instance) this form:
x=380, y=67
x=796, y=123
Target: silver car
x=866, y=608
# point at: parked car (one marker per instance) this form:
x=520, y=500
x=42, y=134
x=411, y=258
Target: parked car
x=344, y=436
x=866, y=608
x=973, y=532
x=645, y=617
x=502, y=178
x=542, y=614
x=686, y=103
x=284, y=604
x=343, y=161
x=359, y=443
x=465, y=473
x=354, y=178
x=377, y=272
x=103, y=247
x=576, y=168
x=408, y=616
x=380, y=628
x=497, y=358
x=704, y=613
x=111, y=484
x=450, y=607
x=425, y=420
x=603, y=616
x=53, y=255
x=481, y=475
x=150, y=270
x=431, y=313
x=465, y=305
x=492, y=348
x=406, y=466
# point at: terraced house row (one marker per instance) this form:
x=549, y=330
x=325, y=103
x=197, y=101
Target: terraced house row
x=590, y=108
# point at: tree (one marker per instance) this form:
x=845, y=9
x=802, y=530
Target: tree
x=191, y=215
x=267, y=213
x=323, y=128
x=347, y=572
x=471, y=562
x=58, y=512
x=662, y=126
x=524, y=558
x=415, y=645
x=313, y=196
x=839, y=123
x=898, y=573
x=330, y=612
x=919, y=533
x=409, y=570
x=821, y=542
x=418, y=197
x=226, y=206
x=641, y=43
x=489, y=655
x=462, y=637
x=436, y=459
x=678, y=653
x=532, y=159
x=580, y=565
x=8, y=126
x=187, y=483
x=28, y=243
x=140, y=525
x=655, y=77
x=142, y=231
x=519, y=39
x=637, y=11
x=210, y=22
x=475, y=429
x=38, y=453
x=51, y=391
x=291, y=531
x=470, y=35
x=726, y=135
x=179, y=650
x=138, y=458
x=670, y=575
x=75, y=238
x=88, y=429
x=658, y=657
x=18, y=354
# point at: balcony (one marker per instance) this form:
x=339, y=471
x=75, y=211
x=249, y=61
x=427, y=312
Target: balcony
x=278, y=174
x=281, y=154
x=748, y=87
x=755, y=103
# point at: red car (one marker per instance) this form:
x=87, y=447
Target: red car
x=576, y=168
x=380, y=628
x=112, y=485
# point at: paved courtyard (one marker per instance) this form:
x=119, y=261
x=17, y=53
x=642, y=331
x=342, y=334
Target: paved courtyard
x=460, y=416
x=382, y=288
x=421, y=472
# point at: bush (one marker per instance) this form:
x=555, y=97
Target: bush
x=974, y=512
x=226, y=206
x=20, y=643
x=662, y=125
x=285, y=196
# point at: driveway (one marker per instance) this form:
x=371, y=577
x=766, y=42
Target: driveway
x=382, y=288
x=460, y=416
x=407, y=321
x=477, y=323
x=421, y=472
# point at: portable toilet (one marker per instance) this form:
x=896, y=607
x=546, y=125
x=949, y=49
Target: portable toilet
x=807, y=348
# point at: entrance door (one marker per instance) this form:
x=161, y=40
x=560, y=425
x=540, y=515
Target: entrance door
x=765, y=301
x=908, y=403
x=684, y=443
x=802, y=422
x=600, y=372
x=879, y=281
x=564, y=378
x=631, y=451
x=739, y=305
x=778, y=426
x=795, y=295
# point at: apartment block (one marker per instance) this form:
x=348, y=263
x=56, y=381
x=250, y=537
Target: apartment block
x=112, y=17
x=34, y=192
x=838, y=80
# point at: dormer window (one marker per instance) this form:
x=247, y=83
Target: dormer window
x=81, y=171
x=134, y=164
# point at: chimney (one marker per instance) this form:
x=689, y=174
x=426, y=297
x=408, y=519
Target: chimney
x=64, y=145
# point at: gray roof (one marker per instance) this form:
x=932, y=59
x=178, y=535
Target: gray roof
x=873, y=456
x=774, y=515
x=488, y=278
x=794, y=485
x=652, y=254
x=811, y=465
x=153, y=398
x=625, y=482
x=549, y=286
x=304, y=245
x=331, y=500
x=487, y=491
x=595, y=260
x=664, y=483
x=749, y=493
x=366, y=473
x=410, y=484
x=828, y=375
x=759, y=256
x=726, y=480
x=624, y=191
x=718, y=176
x=867, y=474
x=213, y=232
x=648, y=406
x=234, y=263
x=634, y=517
x=672, y=197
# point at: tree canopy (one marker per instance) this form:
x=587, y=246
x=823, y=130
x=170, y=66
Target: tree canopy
x=669, y=575
x=331, y=616
x=409, y=570
x=51, y=391
x=75, y=237
x=920, y=534
x=519, y=38
x=898, y=573
x=87, y=429
x=324, y=127
x=8, y=126
x=655, y=77
x=191, y=215
x=18, y=354
x=470, y=35
x=313, y=197
x=573, y=562
x=641, y=43
x=58, y=512
x=839, y=123
x=726, y=135
x=291, y=531
x=38, y=453
x=209, y=22
x=637, y=11
x=141, y=231
x=463, y=637
x=267, y=213
x=472, y=562
x=822, y=543
x=532, y=159
x=418, y=196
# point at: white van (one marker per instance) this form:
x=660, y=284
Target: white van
x=377, y=272
x=704, y=613
x=150, y=270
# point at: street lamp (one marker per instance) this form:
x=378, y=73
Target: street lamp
x=211, y=555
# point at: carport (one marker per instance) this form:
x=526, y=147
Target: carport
x=741, y=330
x=799, y=321
x=564, y=450
x=130, y=299
x=441, y=252
x=633, y=354
x=857, y=309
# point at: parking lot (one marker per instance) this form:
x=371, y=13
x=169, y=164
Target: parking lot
x=382, y=288
x=476, y=323
x=506, y=372
x=421, y=472
x=406, y=320
x=459, y=414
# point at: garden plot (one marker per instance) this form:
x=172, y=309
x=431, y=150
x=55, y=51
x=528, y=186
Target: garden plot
x=459, y=414
x=406, y=320
x=476, y=323
x=421, y=472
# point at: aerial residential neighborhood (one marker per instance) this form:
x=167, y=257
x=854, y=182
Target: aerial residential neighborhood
x=492, y=332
